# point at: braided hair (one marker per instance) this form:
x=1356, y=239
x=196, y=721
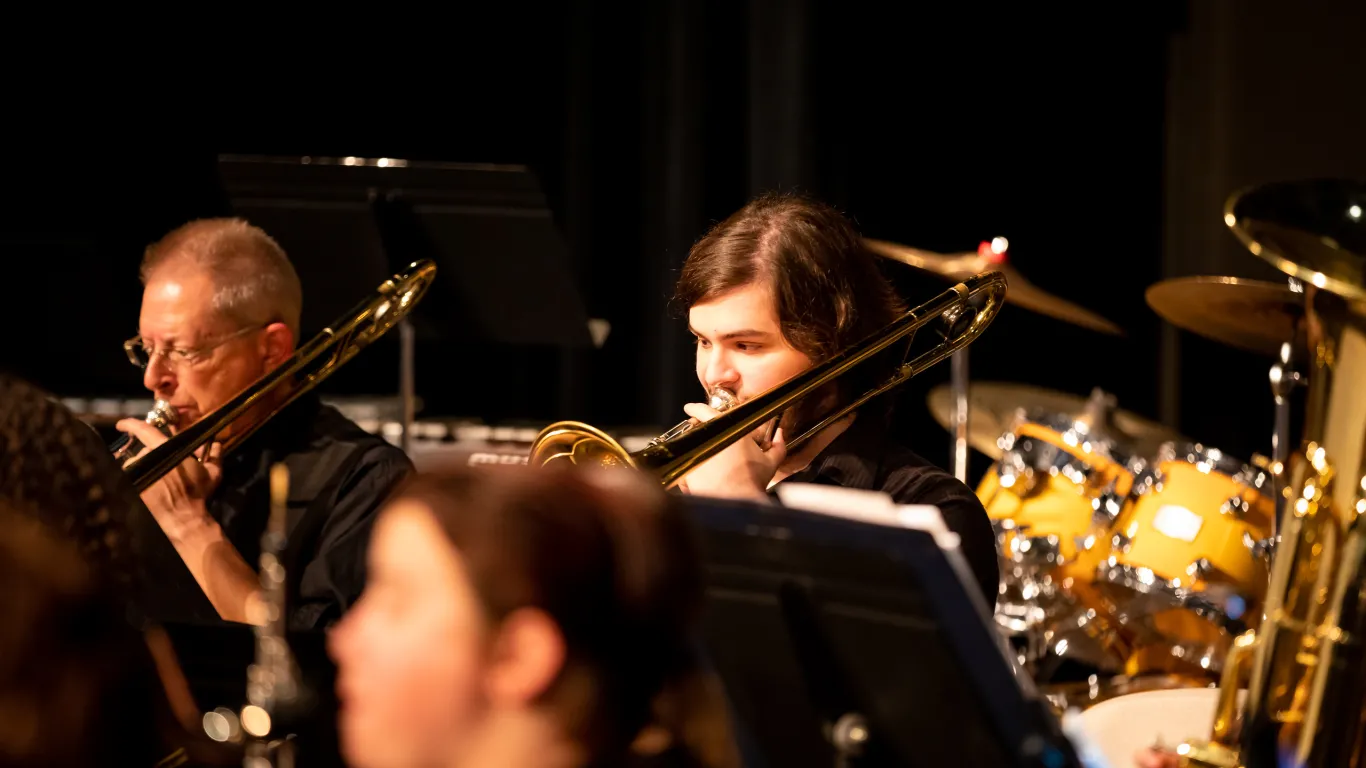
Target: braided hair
x=54, y=467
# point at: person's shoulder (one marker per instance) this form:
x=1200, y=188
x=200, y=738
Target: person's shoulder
x=334, y=427
x=909, y=478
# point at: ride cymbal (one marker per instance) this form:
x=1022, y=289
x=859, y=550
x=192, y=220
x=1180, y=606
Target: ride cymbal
x=992, y=408
x=1253, y=315
x=1019, y=291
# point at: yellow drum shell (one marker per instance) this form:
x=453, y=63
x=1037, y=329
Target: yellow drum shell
x=1055, y=504
x=1169, y=527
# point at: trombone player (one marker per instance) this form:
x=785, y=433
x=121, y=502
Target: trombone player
x=780, y=286
x=220, y=308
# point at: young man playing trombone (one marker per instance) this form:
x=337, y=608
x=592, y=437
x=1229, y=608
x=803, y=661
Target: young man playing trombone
x=780, y=286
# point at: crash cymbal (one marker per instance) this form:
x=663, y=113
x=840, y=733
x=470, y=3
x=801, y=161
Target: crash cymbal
x=1313, y=230
x=1019, y=291
x=1253, y=315
x=992, y=408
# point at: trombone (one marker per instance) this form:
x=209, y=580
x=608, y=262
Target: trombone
x=966, y=310
x=333, y=347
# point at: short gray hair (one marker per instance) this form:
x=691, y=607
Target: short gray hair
x=254, y=281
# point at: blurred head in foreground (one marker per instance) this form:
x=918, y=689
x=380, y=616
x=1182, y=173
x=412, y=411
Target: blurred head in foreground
x=523, y=617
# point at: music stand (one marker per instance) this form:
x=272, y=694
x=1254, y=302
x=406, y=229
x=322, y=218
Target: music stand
x=350, y=223
x=862, y=639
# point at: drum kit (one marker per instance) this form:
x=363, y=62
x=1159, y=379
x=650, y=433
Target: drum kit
x=1129, y=553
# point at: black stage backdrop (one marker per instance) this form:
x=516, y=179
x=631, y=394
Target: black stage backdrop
x=646, y=124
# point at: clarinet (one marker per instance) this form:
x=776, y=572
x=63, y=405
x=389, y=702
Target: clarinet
x=272, y=681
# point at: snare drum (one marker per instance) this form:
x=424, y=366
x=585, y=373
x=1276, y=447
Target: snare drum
x=1183, y=542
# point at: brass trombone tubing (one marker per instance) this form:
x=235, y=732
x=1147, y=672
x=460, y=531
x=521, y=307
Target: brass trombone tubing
x=671, y=459
x=305, y=369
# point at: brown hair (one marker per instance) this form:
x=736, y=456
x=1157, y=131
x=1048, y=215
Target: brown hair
x=828, y=288
x=612, y=562
x=254, y=281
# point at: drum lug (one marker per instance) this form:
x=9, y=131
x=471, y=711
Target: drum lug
x=1200, y=569
x=1261, y=549
x=1013, y=472
x=1237, y=506
x=1107, y=505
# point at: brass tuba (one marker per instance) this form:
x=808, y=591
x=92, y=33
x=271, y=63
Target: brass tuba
x=304, y=370
x=674, y=454
x=1306, y=698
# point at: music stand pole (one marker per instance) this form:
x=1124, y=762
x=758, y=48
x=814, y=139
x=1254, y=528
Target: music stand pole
x=959, y=384
x=406, y=384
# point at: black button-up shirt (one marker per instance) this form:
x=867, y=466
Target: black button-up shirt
x=866, y=457
x=339, y=477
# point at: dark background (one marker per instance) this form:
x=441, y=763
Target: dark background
x=1101, y=145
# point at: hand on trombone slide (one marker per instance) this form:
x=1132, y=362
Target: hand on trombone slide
x=743, y=470
x=177, y=501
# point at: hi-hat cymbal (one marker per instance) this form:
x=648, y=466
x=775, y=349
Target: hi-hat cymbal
x=992, y=408
x=1019, y=291
x=1253, y=315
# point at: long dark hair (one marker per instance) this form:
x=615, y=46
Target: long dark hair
x=616, y=569
x=829, y=290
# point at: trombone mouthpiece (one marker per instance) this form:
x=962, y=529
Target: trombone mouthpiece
x=721, y=399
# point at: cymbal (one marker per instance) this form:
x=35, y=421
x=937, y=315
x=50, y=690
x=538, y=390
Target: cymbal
x=1310, y=229
x=992, y=407
x=1019, y=291
x=1254, y=315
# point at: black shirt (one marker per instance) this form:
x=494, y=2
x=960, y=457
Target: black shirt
x=866, y=457
x=339, y=477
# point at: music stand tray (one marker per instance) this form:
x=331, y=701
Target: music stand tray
x=503, y=273
x=849, y=631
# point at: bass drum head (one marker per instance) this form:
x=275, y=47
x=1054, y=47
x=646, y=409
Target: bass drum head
x=1123, y=725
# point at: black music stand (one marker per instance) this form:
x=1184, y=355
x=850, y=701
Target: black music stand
x=850, y=643
x=503, y=274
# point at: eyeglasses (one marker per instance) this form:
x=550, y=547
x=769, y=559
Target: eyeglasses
x=140, y=355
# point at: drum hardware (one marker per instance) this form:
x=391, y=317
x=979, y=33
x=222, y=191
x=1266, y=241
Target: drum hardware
x=332, y=348
x=1284, y=378
x=163, y=416
x=1306, y=697
x=576, y=442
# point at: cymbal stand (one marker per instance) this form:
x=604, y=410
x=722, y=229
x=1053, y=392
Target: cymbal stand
x=959, y=384
x=1284, y=378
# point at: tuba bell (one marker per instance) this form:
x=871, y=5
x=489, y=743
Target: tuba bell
x=332, y=348
x=965, y=310
x=1306, y=698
